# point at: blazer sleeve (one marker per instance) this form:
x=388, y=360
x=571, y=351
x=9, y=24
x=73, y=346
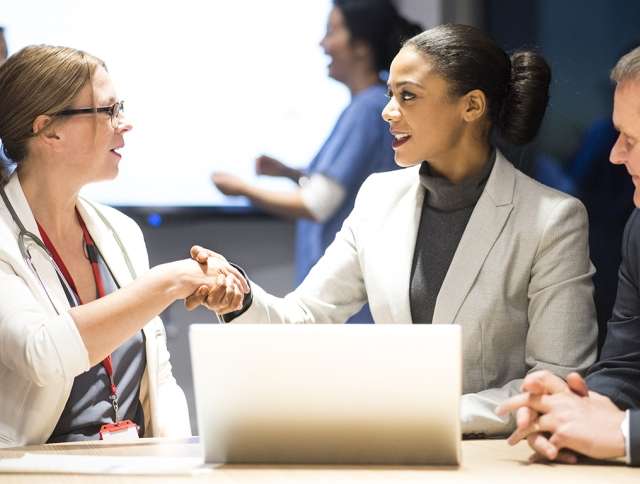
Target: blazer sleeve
x=478, y=418
x=562, y=333
x=617, y=374
x=332, y=292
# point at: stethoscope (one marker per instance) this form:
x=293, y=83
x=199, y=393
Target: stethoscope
x=27, y=241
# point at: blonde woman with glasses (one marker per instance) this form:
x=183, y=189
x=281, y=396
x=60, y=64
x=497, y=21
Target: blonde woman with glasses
x=83, y=354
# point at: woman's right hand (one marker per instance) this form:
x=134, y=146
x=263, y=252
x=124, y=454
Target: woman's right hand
x=265, y=165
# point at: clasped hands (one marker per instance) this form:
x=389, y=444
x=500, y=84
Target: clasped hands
x=228, y=286
x=561, y=420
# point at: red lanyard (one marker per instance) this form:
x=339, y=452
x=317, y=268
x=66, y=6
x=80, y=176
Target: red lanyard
x=92, y=252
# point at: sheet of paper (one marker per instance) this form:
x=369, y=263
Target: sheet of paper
x=90, y=464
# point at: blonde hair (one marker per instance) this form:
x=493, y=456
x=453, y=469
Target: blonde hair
x=39, y=79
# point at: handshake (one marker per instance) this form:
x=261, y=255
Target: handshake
x=213, y=282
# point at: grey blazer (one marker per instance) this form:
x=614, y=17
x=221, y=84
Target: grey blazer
x=519, y=283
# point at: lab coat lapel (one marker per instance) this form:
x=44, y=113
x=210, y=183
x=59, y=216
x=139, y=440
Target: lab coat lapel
x=104, y=239
x=483, y=229
x=41, y=262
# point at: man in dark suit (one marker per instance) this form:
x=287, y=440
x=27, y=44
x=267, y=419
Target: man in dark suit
x=599, y=417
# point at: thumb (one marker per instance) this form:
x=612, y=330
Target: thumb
x=196, y=299
x=577, y=384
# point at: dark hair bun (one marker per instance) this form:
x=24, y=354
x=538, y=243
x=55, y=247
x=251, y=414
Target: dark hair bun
x=526, y=100
x=516, y=87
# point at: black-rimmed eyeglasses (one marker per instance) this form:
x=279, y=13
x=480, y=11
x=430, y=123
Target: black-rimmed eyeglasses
x=113, y=111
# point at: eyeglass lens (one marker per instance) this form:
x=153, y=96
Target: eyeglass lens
x=118, y=109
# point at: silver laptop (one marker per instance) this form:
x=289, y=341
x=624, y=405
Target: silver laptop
x=328, y=394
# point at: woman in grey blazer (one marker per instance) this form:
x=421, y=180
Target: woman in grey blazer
x=463, y=237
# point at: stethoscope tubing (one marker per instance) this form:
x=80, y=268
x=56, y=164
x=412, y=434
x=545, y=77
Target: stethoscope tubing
x=26, y=238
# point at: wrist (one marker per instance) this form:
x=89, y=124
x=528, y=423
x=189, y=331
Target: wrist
x=177, y=280
x=243, y=188
x=246, y=301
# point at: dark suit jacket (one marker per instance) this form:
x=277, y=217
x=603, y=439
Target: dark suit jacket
x=617, y=373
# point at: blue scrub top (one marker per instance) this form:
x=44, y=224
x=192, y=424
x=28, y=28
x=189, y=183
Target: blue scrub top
x=359, y=145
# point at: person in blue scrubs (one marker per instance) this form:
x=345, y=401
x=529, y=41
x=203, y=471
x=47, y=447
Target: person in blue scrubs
x=362, y=38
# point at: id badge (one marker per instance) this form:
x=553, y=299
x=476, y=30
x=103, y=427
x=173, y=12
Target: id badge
x=123, y=431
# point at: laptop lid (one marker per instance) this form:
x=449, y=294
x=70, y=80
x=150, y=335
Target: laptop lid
x=328, y=394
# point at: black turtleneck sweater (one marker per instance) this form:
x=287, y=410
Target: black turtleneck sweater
x=446, y=210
